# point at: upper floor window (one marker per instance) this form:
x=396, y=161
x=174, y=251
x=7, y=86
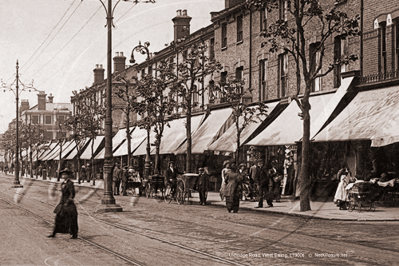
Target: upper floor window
x=48, y=120
x=283, y=74
x=35, y=119
x=339, y=51
x=263, y=19
x=239, y=29
x=224, y=35
x=61, y=119
x=396, y=43
x=240, y=76
x=212, y=49
x=195, y=95
x=263, y=80
x=382, y=37
x=150, y=70
x=314, y=56
x=142, y=73
x=283, y=10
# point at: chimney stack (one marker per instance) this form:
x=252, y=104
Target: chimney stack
x=231, y=3
x=98, y=74
x=50, y=98
x=41, y=100
x=24, y=105
x=181, y=25
x=119, y=62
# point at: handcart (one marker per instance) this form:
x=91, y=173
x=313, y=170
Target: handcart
x=131, y=187
x=185, y=186
x=362, y=195
x=153, y=184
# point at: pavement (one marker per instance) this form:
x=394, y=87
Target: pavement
x=321, y=209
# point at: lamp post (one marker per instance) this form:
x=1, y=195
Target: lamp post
x=143, y=49
x=108, y=199
x=16, y=91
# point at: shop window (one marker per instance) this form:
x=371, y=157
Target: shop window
x=48, y=120
x=224, y=35
x=382, y=47
x=263, y=80
x=239, y=29
x=283, y=74
x=283, y=10
x=263, y=19
x=315, y=55
x=35, y=119
x=212, y=49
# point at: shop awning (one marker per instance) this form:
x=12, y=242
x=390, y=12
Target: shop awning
x=228, y=141
x=48, y=150
x=142, y=148
x=175, y=135
x=137, y=137
x=207, y=133
x=86, y=155
x=74, y=152
x=288, y=127
x=371, y=115
x=66, y=148
x=53, y=153
x=116, y=142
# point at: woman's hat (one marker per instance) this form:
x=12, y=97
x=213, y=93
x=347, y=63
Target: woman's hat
x=225, y=163
x=66, y=171
x=242, y=164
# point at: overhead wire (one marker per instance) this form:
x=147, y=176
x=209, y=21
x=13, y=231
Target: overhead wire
x=78, y=54
x=48, y=36
x=56, y=34
x=73, y=37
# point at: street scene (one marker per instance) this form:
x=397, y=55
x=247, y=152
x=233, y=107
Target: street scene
x=152, y=232
x=199, y=132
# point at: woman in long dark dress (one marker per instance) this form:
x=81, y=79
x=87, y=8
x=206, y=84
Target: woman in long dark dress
x=233, y=182
x=66, y=219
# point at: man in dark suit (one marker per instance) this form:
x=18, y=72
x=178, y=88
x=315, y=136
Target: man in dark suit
x=256, y=175
x=202, y=185
x=171, y=176
x=124, y=178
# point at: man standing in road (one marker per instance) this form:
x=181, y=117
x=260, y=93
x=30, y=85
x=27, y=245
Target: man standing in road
x=202, y=185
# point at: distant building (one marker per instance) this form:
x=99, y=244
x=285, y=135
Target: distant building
x=48, y=114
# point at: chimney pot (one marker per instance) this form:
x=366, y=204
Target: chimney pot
x=121, y=54
x=185, y=12
x=178, y=12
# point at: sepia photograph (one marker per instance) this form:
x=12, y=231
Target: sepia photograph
x=199, y=132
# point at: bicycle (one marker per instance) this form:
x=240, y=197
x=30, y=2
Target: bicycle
x=176, y=194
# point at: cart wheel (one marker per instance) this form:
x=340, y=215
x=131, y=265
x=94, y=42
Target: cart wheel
x=148, y=191
x=372, y=206
x=168, y=196
x=180, y=195
x=153, y=192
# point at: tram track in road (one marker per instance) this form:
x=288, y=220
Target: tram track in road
x=126, y=229
x=154, y=234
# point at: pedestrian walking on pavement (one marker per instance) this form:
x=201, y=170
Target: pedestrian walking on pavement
x=116, y=179
x=82, y=176
x=233, y=181
x=66, y=219
x=258, y=174
x=124, y=178
x=225, y=170
x=202, y=185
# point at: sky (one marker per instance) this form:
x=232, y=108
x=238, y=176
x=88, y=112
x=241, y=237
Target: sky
x=59, y=42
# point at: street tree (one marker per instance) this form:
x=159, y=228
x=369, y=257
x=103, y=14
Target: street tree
x=86, y=122
x=243, y=113
x=155, y=105
x=195, y=67
x=33, y=136
x=306, y=18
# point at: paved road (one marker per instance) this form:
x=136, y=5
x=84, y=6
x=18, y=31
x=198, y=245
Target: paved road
x=151, y=232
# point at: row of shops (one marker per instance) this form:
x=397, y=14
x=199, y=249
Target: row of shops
x=360, y=128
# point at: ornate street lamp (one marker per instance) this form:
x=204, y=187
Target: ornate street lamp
x=108, y=199
x=143, y=49
x=16, y=91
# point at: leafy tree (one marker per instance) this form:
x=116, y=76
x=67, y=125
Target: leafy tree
x=87, y=120
x=33, y=135
x=192, y=72
x=154, y=106
x=305, y=18
x=243, y=114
